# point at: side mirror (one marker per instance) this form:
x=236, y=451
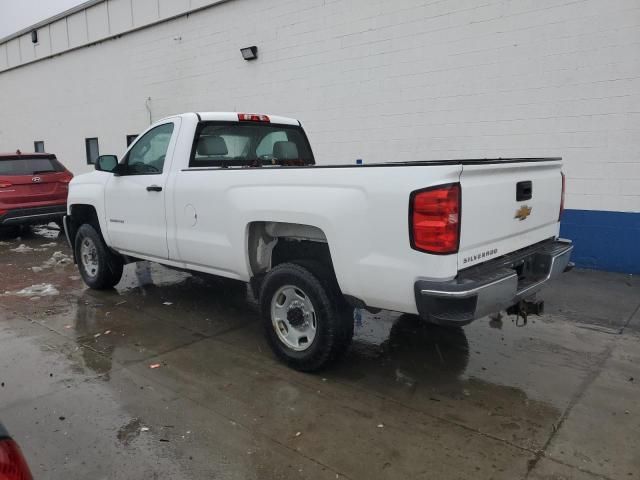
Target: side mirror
x=106, y=163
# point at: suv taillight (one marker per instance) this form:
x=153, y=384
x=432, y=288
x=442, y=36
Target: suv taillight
x=435, y=219
x=4, y=184
x=12, y=464
x=564, y=182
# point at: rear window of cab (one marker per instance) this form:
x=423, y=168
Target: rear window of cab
x=29, y=166
x=231, y=144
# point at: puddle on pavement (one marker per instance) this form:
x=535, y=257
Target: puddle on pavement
x=490, y=369
x=446, y=361
x=409, y=350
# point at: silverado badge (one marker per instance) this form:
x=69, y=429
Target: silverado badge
x=523, y=212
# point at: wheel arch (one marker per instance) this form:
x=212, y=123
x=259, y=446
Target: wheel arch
x=272, y=243
x=79, y=214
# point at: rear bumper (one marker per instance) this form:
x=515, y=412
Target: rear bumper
x=494, y=286
x=20, y=216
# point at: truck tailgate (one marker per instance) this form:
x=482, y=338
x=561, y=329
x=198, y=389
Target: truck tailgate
x=506, y=206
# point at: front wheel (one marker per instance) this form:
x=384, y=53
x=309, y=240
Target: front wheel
x=99, y=267
x=304, y=316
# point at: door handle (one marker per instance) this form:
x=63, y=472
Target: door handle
x=154, y=188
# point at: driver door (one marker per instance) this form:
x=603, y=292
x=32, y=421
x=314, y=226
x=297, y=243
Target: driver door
x=135, y=197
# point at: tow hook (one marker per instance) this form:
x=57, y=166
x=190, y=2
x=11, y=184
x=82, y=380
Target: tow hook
x=524, y=308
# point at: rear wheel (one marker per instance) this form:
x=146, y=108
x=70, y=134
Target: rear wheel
x=305, y=319
x=99, y=267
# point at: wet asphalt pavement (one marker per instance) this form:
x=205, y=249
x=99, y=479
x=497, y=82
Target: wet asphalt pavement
x=556, y=399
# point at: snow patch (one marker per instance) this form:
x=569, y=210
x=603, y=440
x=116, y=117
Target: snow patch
x=22, y=248
x=39, y=290
x=58, y=259
x=47, y=231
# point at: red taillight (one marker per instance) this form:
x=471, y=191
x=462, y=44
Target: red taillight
x=4, y=184
x=435, y=219
x=253, y=117
x=65, y=179
x=562, y=197
x=12, y=464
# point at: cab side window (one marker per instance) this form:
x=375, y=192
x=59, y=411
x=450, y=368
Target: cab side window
x=148, y=154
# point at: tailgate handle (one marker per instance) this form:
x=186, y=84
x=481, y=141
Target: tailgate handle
x=524, y=190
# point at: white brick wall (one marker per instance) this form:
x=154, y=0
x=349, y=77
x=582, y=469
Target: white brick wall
x=371, y=79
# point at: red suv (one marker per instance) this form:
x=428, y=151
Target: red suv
x=33, y=188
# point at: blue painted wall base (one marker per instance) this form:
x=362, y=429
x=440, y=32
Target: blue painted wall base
x=604, y=240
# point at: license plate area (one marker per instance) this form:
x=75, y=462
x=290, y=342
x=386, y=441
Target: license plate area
x=531, y=265
x=532, y=269
x=515, y=261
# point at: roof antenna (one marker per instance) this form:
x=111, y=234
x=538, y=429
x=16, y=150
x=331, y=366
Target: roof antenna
x=147, y=104
x=18, y=152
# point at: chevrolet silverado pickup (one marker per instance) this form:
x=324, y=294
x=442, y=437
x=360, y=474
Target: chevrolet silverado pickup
x=240, y=196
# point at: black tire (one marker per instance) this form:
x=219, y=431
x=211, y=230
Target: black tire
x=10, y=232
x=108, y=265
x=334, y=320
x=327, y=277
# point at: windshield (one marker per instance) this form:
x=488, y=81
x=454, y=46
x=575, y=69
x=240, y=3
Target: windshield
x=29, y=166
x=224, y=144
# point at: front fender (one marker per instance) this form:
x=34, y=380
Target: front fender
x=89, y=190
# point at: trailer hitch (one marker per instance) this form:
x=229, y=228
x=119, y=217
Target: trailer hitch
x=524, y=308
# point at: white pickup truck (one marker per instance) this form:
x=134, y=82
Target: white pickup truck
x=239, y=196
